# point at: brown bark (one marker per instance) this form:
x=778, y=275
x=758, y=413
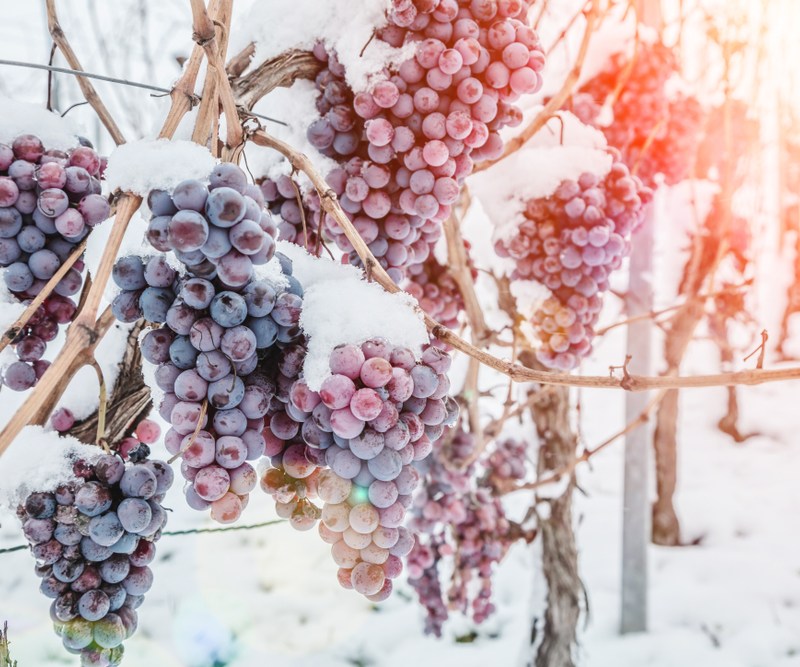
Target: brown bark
x=558, y=443
x=666, y=527
x=129, y=402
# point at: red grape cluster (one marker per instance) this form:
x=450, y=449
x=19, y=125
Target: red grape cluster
x=406, y=144
x=459, y=517
x=656, y=132
x=570, y=242
x=354, y=445
x=93, y=541
x=49, y=201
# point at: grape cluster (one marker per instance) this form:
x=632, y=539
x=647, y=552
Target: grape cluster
x=405, y=145
x=206, y=353
x=458, y=516
x=93, y=541
x=354, y=445
x=49, y=201
x=657, y=132
x=571, y=242
x=214, y=322
x=217, y=230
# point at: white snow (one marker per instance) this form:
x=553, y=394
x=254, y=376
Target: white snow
x=39, y=460
x=149, y=164
x=341, y=307
x=295, y=106
x=346, y=26
x=21, y=118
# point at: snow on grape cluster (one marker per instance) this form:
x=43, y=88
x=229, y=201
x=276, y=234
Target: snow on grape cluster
x=93, y=541
x=570, y=242
x=405, y=145
x=49, y=201
x=656, y=131
x=214, y=321
x=354, y=446
x=460, y=520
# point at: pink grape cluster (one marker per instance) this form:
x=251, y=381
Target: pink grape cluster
x=407, y=143
x=458, y=517
x=570, y=242
x=49, y=201
x=354, y=445
x=657, y=132
x=93, y=541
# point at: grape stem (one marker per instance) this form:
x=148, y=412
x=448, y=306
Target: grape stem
x=85, y=84
x=203, y=410
x=515, y=371
x=103, y=404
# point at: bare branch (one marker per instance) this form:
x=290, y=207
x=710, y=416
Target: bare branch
x=280, y=71
x=206, y=37
x=86, y=86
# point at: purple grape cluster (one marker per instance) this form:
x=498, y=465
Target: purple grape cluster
x=207, y=351
x=405, y=145
x=282, y=200
x=458, y=516
x=213, y=324
x=571, y=242
x=49, y=201
x=656, y=131
x=217, y=230
x=354, y=445
x=93, y=542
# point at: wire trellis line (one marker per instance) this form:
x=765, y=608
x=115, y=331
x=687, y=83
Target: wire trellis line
x=174, y=533
x=110, y=79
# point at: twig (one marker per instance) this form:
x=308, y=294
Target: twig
x=655, y=314
x=515, y=371
x=567, y=28
x=5, y=654
x=557, y=101
x=12, y=331
x=459, y=269
x=102, y=405
x=197, y=429
x=761, y=349
x=86, y=86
